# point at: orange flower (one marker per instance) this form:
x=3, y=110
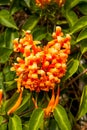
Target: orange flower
x=52, y=104
x=42, y=3
x=1, y=95
x=16, y=105
x=41, y=68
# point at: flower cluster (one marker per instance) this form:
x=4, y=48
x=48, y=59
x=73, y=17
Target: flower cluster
x=41, y=68
x=41, y=3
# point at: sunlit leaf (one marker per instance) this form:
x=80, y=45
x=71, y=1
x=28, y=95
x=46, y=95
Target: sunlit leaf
x=61, y=117
x=80, y=24
x=71, y=69
x=82, y=35
x=15, y=123
x=7, y=20
x=4, y=54
x=36, y=119
x=83, y=104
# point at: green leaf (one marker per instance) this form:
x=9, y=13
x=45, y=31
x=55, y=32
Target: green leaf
x=9, y=76
x=10, y=35
x=24, y=104
x=1, y=119
x=4, y=54
x=82, y=35
x=36, y=119
x=39, y=33
x=70, y=4
x=83, y=46
x=1, y=80
x=4, y=2
x=31, y=22
x=7, y=20
x=71, y=69
x=26, y=125
x=3, y=126
x=15, y=123
x=10, y=103
x=2, y=44
x=80, y=24
x=83, y=8
x=27, y=2
x=83, y=104
x=53, y=125
x=61, y=118
x=15, y=6
x=71, y=17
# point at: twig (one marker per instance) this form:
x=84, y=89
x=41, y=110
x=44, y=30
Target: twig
x=4, y=121
x=73, y=80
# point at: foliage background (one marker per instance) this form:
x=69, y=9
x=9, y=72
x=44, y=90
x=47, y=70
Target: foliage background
x=16, y=16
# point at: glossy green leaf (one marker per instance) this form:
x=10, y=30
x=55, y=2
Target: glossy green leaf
x=71, y=69
x=80, y=24
x=83, y=104
x=10, y=35
x=31, y=22
x=61, y=117
x=82, y=35
x=24, y=104
x=4, y=54
x=7, y=20
x=36, y=119
x=83, y=46
x=71, y=17
x=15, y=123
